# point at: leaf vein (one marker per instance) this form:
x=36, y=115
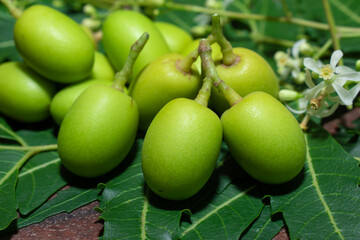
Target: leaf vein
x=320, y=194
x=217, y=208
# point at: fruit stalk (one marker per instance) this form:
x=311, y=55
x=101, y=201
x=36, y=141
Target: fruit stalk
x=14, y=11
x=229, y=57
x=204, y=92
x=184, y=65
x=208, y=67
x=122, y=76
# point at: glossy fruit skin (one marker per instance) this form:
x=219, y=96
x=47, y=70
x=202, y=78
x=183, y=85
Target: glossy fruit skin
x=98, y=131
x=180, y=149
x=53, y=44
x=102, y=68
x=160, y=82
x=176, y=38
x=193, y=45
x=63, y=99
x=24, y=95
x=251, y=73
x=265, y=138
x=121, y=29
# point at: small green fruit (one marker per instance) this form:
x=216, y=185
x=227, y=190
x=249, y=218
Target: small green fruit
x=53, y=44
x=121, y=29
x=181, y=148
x=63, y=99
x=265, y=138
x=102, y=68
x=24, y=95
x=98, y=131
x=160, y=82
x=176, y=38
x=249, y=74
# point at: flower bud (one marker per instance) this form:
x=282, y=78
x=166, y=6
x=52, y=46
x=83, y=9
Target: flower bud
x=314, y=75
x=306, y=49
x=89, y=10
x=357, y=65
x=287, y=95
x=92, y=24
x=300, y=79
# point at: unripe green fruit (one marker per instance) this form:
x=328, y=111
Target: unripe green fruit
x=216, y=51
x=121, y=29
x=90, y=35
x=53, y=44
x=24, y=95
x=180, y=149
x=160, y=82
x=176, y=38
x=250, y=73
x=98, y=131
x=102, y=68
x=265, y=138
x=63, y=99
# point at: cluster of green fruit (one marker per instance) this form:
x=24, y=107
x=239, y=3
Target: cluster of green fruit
x=161, y=88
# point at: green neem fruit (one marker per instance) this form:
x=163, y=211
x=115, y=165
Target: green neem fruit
x=89, y=33
x=53, y=44
x=121, y=29
x=63, y=99
x=160, y=82
x=24, y=95
x=102, y=68
x=265, y=138
x=181, y=148
x=98, y=131
x=216, y=51
x=176, y=38
x=250, y=73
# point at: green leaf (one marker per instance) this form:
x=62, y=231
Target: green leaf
x=65, y=201
x=131, y=210
x=6, y=131
x=38, y=180
x=325, y=203
x=12, y=158
x=265, y=227
x=8, y=178
x=225, y=215
x=7, y=199
x=7, y=44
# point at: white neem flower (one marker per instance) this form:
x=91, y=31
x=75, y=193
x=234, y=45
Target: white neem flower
x=314, y=100
x=334, y=76
x=290, y=62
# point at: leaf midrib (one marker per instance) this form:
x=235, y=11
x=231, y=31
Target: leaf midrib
x=215, y=210
x=318, y=191
x=39, y=167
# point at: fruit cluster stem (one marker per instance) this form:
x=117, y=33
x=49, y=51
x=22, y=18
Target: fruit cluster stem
x=208, y=67
x=185, y=64
x=229, y=57
x=204, y=92
x=122, y=76
x=14, y=11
